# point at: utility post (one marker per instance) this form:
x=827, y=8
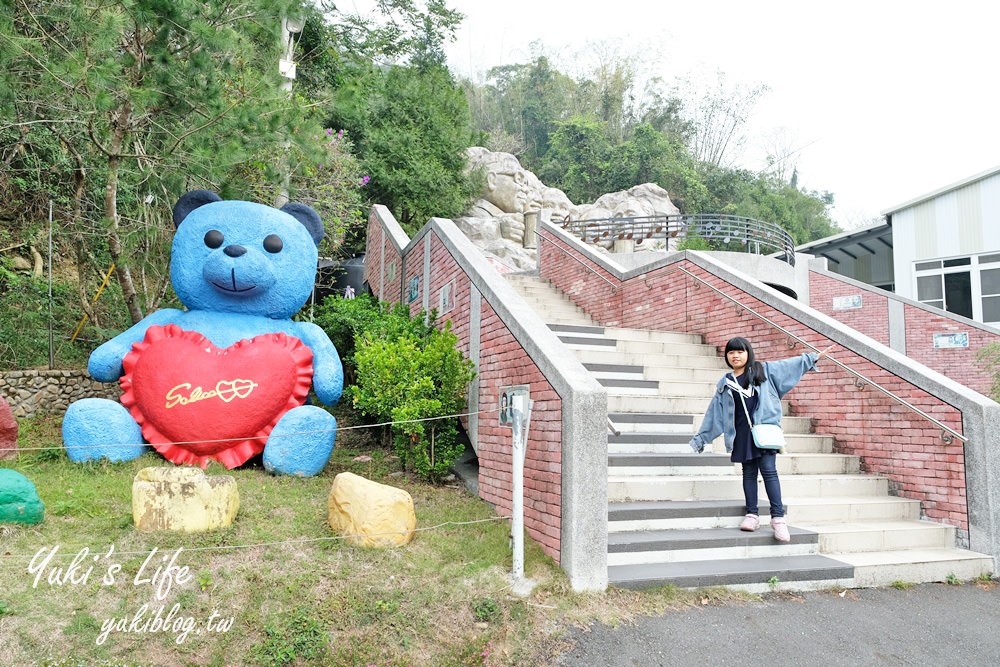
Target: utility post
x=520, y=413
x=290, y=27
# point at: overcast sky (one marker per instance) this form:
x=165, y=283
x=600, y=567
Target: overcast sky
x=887, y=100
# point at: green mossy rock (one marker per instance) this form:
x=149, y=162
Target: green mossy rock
x=19, y=501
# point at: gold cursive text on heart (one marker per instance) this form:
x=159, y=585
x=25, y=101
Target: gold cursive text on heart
x=225, y=390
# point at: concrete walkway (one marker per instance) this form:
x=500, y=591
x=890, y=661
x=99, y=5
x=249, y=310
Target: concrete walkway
x=932, y=625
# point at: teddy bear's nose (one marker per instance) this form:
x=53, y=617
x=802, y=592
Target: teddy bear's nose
x=235, y=250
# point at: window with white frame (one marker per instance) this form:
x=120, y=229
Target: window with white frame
x=967, y=286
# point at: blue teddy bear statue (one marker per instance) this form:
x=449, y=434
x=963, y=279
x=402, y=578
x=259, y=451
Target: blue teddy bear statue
x=227, y=378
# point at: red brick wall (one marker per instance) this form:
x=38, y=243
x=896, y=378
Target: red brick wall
x=891, y=440
x=379, y=241
x=598, y=294
x=445, y=270
x=872, y=319
x=502, y=362
x=960, y=364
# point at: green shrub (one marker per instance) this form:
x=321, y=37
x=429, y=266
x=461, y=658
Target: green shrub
x=347, y=320
x=411, y=380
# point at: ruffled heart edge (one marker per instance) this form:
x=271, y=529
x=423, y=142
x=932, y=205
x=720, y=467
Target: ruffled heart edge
x=241, y=450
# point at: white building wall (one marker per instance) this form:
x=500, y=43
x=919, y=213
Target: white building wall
x=990, y=198
x=904, y=246
x=958, y=223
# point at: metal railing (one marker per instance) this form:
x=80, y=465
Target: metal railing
x=860, y=380
x=752, y=235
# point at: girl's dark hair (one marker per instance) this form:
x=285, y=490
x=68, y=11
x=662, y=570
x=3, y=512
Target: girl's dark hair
x=754, y=369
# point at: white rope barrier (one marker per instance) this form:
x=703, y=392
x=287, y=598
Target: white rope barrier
x=252, y=437
x=73, y=553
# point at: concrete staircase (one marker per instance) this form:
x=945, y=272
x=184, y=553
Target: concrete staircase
x=673, y=515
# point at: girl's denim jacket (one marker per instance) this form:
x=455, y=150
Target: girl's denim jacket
x=781, y=377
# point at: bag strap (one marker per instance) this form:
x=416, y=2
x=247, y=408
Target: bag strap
x=749, y=421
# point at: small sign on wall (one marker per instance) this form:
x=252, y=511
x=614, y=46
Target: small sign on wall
x=391, y=271
x=507, y=395
x=944, y=341
x=446, y=298
x=413, y=291
x=847, y=302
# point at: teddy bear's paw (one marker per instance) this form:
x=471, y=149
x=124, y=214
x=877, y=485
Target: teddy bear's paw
x=301, y=442
x=96, y=428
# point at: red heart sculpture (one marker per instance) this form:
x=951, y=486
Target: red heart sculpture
x=196, y=402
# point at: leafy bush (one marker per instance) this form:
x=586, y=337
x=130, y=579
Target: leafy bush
x=404, y=370
x=346, y=320
x=413, y=381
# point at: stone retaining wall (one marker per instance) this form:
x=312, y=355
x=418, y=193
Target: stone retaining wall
x=35, y=393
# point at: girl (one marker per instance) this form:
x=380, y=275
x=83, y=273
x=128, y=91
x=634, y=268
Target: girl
x=762, y=386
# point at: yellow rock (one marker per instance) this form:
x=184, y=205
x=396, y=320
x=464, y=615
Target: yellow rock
x=183, y=500
x=372, y=514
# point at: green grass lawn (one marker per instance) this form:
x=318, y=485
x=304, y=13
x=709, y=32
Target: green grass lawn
x=277, y=587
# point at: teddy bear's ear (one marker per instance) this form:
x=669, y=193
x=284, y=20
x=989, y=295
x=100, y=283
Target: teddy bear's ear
x=190, y=202
x=308, y=217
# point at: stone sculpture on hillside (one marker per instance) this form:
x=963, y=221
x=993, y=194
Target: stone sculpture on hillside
x=498, y=222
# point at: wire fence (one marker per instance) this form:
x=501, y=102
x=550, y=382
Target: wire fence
x=7, y=558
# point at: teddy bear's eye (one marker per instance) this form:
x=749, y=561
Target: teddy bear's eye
x=214, y=239
x=272, y=243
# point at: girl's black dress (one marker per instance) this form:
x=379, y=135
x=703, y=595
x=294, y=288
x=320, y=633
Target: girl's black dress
x=743, y=447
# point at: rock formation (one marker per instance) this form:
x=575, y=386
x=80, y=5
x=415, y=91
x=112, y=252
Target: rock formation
x=496, y=223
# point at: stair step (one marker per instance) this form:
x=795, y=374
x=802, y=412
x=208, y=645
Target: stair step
x=685, y=463
x=551, y=307
x=577, y=341
x=656, y=421
x=667, y=389
x=568, y=319
x=674, y=463
x=641, y=347
x=769, y=572
x=636, y=335
x=589, y=330
x=650, y=438
x=674, y=546
x=668, y=404
x=629, y=386
x=883, y=568
x=699, y=539
x=624, y=371
x=867, y=536
x=693, y=404
x=708, y=376
x=612, y=356
x=810, y=510
x=631, y=517
x=807, y=463
x=656, y=336
x=690, y=487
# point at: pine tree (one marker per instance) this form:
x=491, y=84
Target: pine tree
x=148, y=98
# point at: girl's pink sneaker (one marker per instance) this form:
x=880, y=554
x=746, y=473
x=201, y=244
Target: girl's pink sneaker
x=780, y=529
